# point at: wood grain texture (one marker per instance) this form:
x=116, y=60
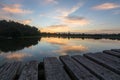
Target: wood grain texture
x=30, y=71
x=54, y=69
x=9, y=72
x=106, y=62
x=117, y=54
x=98, y=70
x=117, y=50
x=77, y=71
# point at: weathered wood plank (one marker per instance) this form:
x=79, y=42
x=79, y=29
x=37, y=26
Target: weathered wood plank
x=13, y=71
x=117, y=50
x=30, y=71
x=106, y=62
x=117, y=54
x=10, y=72
x=109, y=57
x=98, y=70
x=4, y=67
x=54, y=69
x=21, y=67
x=77, y=71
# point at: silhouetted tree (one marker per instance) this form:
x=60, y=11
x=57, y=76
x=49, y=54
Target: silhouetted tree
x=15, y=29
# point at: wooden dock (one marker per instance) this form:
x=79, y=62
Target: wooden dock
x=91, y=66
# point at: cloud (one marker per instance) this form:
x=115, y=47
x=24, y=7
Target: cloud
x=63, y=15
x=55, y=28
x=65, y=18
x=76, y=20
x=50, y=1
x=109, y=30
x=106, y=31
x=62, y=12
x=106, y=6
x=14, y=12
x=15, y=8
x=27, y=21
x=58, y=26
x=67, y=12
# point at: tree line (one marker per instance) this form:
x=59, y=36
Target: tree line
x=81, y=35
x=15, y=29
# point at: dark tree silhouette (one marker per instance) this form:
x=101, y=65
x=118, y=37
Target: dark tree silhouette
x=15, y=29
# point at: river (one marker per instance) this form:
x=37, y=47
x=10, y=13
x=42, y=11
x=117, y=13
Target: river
x=38, y=48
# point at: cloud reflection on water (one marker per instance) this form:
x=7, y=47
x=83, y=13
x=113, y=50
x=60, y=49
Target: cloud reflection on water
x=71, y=49
x=57, y=41
x=66, y=46
x=16, y=56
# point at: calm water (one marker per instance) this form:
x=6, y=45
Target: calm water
x=38, y=48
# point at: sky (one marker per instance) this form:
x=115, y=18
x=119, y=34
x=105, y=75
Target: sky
x=80, y=16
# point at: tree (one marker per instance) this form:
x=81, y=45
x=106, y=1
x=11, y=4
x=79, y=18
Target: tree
x=15, y=29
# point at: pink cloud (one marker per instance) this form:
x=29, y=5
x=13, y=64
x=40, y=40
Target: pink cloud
x=106, y=6
x=55, y=28
x=16, y=56
x=15, y=8
x=76, y=20
x=65, y=18
x=71, y=48
x=27, y=21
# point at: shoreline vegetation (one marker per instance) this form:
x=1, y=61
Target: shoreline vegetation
x=75, y=35
x=11, y=29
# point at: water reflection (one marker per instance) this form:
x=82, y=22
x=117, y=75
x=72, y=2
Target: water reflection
x=16, y=56
x=12, y=45
x=57, y=41
x=71, y=49
x=38, y=48
x=65, y=46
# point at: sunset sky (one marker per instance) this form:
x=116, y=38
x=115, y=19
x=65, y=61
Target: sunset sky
x=82, y=16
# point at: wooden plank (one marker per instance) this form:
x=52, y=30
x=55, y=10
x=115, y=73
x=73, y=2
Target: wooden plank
x=10, y=72
x=4, y=67
x=30, y=71
x=21, y=67
x=54, y=69
x=13, y=71
x=106, y=62
x=116, y=50
x=77, y=71
x=98, y=70
x=117, y=54
x=109, y=57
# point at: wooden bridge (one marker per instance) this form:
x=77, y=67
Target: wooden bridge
x=91, y=66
